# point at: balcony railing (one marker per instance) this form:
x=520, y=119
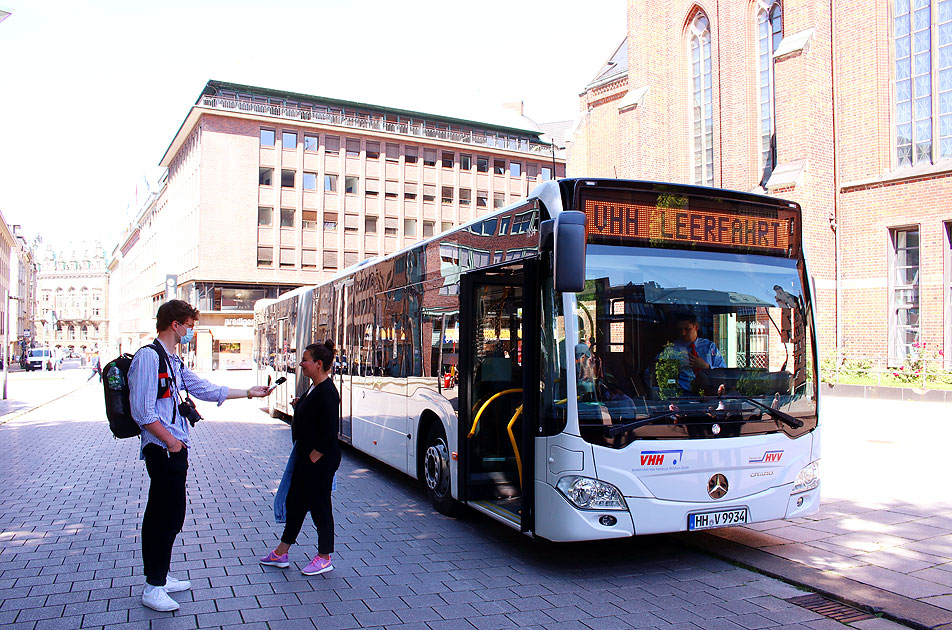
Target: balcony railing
x=379, y=124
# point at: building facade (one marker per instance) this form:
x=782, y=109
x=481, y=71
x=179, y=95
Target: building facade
x=850, y=118
x=268, y=190
x=8, y=248
x=71, y=298
x=23, y=286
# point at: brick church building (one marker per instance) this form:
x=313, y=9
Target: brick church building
x=843, y=107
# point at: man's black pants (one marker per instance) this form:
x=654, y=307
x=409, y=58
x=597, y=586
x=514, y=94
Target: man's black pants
x=165, y=511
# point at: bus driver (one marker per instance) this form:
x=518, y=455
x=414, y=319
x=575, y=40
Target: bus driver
x=698, y=353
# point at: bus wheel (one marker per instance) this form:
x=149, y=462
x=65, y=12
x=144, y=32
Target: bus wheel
x=436, y=471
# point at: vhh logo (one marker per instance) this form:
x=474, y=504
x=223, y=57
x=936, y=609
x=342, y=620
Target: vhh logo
x=660, y=458
x=768, y=457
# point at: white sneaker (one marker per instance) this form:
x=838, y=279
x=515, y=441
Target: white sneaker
x=176, y=586
x=156, y=598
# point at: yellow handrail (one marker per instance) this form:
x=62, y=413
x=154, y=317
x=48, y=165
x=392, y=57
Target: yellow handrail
x=472, y=431
x=512, y=438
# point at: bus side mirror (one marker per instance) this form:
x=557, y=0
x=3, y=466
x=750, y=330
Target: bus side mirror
x=569, y=251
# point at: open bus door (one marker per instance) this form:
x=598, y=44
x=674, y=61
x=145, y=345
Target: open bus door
x=498, y=374
x=343, y=342
x=281, y=361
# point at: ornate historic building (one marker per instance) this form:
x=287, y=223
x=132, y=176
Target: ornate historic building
x=71, y=299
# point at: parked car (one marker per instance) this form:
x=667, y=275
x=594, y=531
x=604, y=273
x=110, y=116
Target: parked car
x=45, y=359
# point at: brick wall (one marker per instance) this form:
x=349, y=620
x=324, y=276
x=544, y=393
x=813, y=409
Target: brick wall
x=652, y=141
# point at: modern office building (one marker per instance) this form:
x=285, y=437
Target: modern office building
x=268, y=190
x=850, y=118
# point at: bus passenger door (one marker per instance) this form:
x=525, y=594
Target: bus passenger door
x=496, y=406
x=280, y=367
x=343, y=371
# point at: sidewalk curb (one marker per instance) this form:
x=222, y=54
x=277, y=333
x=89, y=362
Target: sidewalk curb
x=875, y=600
x=22, y=412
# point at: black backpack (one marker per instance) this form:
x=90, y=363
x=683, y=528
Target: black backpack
x=115, y=381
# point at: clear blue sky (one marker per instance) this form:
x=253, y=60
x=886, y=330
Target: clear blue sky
x=92, y=91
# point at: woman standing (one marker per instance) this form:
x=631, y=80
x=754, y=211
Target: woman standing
x=314, y=430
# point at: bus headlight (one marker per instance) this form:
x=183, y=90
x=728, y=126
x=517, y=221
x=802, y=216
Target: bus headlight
x=808, y=478
x=591, y=494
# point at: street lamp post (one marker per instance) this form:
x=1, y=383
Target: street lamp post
x=6, y=336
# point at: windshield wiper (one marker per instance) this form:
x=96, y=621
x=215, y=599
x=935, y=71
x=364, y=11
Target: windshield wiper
x=786, y=418
x=615, y=429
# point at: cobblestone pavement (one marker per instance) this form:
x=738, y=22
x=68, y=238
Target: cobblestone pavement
x=886, y=515
x=69, y=551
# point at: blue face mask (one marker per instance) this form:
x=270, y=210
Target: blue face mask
x=187, y=337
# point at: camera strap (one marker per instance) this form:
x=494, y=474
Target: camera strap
x=157, y=346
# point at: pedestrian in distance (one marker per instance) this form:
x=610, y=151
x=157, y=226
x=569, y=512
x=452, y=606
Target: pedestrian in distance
x=157, y=406
x=314, y=434
x=97, y=369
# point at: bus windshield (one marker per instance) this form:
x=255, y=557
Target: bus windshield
x=688, y=344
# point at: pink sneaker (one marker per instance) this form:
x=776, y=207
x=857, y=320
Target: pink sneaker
x=274, y=560
x=318, y=565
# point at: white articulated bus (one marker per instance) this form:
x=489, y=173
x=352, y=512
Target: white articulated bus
x=603, y=359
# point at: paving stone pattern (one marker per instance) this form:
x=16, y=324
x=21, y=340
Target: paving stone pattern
x=73, y=499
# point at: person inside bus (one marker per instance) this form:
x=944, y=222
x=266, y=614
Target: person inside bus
x=696, y=353
x=314, y=431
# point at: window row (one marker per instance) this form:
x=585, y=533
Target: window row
x=391, y=189
x=309, y=221
x=411, y=154
x=389, y=122
x=287, y=258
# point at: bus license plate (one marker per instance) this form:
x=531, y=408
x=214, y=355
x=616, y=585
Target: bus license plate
x=722, y=518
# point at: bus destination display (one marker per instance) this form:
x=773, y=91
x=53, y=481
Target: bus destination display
x=684, y=225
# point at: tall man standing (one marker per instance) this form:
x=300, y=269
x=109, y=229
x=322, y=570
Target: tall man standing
x=154, y=386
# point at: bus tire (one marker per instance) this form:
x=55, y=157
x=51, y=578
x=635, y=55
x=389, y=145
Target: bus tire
x=436, y=471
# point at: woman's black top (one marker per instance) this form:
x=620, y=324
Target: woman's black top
x=316, y=421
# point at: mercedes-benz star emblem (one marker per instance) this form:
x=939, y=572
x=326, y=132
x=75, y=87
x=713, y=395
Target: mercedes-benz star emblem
x=717, y=486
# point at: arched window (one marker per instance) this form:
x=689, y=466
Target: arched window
x=769, y=34
x=923, y=83
x=84, y=332
x=702, y=97
x=71, y=331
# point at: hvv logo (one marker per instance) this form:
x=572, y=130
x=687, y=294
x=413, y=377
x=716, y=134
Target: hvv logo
x=660, y=458
x=769, y=457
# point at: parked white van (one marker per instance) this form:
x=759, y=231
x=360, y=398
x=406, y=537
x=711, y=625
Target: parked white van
x=44, y=359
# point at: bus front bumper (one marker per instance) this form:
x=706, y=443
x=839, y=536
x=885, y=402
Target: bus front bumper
x=558, y=520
